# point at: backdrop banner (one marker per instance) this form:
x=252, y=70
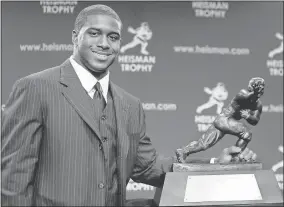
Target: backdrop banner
x=184, y=60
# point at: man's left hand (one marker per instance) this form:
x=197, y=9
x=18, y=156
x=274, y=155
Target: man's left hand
x=232, y=154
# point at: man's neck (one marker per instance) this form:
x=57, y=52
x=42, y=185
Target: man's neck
x=97, y=75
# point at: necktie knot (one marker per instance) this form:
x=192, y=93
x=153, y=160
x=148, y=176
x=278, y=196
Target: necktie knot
x=98, y=97
x=99, y=91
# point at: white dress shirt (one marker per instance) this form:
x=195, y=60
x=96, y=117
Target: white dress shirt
x=88, y=81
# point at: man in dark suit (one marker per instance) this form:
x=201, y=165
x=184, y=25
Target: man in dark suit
x=71, y=137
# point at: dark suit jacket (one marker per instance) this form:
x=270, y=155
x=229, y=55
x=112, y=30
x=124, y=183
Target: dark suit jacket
x=51, y=151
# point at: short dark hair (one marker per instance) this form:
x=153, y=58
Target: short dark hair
x=94, y=9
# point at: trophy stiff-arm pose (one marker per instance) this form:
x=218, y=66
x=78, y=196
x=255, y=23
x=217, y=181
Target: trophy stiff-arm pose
x=246, y=105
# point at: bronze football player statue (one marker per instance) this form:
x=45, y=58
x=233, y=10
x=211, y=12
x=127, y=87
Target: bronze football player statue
x=245, y=105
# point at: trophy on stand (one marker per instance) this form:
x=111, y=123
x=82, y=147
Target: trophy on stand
x=245, y=105
x=237, y=183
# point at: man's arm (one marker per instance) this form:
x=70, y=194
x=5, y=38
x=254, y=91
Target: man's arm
x=21, y=135
x=254, y=116
x=150, y=168
x=207, y=90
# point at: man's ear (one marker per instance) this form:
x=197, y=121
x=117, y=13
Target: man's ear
x=75, y=38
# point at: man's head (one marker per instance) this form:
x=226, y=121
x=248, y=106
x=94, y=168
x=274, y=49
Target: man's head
x=257, y=85
x=96, y=38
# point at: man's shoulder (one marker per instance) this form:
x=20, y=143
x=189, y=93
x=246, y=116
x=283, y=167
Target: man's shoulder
x=126, y=95
x=44, y=75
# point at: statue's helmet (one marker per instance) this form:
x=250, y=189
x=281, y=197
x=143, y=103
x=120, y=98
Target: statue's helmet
x=257, y=85
x=145, y=24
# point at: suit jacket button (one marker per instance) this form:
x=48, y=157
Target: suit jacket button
x=101, y=185
x=103, y=117
x=100, y=146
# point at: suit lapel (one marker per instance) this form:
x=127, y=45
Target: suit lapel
x=75, y=94
x=121, y=111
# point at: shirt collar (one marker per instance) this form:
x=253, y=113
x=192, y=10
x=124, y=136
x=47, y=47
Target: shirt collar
x=88, y=81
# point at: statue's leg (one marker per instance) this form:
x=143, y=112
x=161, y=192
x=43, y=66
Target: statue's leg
x=222, y=123
x=234, y=127
x=208, y=139
x=242, y=131
x=244, y=139
x=143, y=48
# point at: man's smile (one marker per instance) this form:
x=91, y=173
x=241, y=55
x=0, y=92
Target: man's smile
x=101, y=55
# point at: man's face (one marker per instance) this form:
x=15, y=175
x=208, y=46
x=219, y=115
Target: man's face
x=97, y=43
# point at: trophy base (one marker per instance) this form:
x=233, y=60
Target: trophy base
x=206, y=167
x=260, y=186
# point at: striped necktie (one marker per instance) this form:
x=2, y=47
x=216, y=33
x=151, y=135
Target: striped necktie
x=99, y=98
